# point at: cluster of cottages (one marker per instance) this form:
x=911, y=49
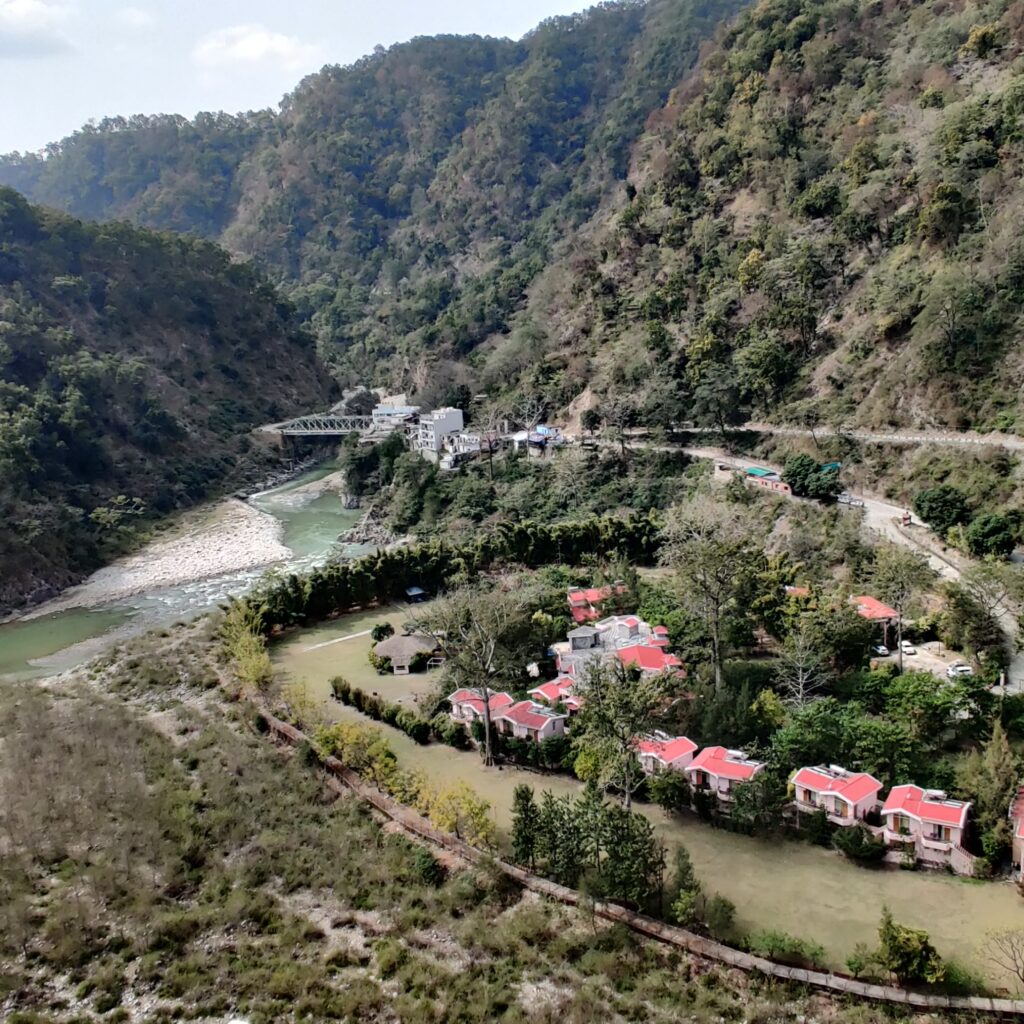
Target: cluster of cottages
x=916, y=822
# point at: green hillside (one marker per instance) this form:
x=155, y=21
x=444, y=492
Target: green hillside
x=132, y=366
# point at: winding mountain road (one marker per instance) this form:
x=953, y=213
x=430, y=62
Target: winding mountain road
x=883, y=519
x=965, y=439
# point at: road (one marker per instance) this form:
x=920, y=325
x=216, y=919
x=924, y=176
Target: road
x=883, y=518
x=966, y=439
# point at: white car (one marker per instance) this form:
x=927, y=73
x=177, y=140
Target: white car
x=907, y=647
x=958, y=668
x=881, y=651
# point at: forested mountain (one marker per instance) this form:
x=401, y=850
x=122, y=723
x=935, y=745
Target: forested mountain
x=409, y=199
x=132, y=366
x=826, y=222
x=821, y=219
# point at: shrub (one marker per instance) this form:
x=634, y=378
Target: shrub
x=341, y=688
x=786, y=949
x=381, y=632
x=818, y=828
x=427, y=868
x=857, y=843
x=381, y=664
x=720, y=916
x=942, y=507
x=991, y=534
x=419, y=662
x=670, y=790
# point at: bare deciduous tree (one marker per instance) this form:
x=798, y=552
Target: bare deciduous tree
x=477, y=627
x=1006, y=950
x=802, y=671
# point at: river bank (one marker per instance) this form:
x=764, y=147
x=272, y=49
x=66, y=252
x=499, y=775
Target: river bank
x=232, y=536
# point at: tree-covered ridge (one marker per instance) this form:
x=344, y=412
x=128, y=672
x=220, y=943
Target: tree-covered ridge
x=409, y=199
x=830, y=220
x=132, y=366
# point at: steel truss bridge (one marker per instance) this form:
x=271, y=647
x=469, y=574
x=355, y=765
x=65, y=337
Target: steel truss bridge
x=321, y=425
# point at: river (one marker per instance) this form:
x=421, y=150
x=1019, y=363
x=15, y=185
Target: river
x=310, y=523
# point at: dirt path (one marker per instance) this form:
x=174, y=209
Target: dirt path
x=945, y=437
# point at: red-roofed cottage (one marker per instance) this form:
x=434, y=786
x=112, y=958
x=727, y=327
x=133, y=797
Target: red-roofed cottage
x=932, y=823
x=659, y=752
x=846, y=796
x=468, y=705
x=553, y=692
x=529, y=720
x=718, y=770
x=1017, y=825
x=648, y=659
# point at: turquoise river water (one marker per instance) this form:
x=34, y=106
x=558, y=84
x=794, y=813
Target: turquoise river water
x=310, y=523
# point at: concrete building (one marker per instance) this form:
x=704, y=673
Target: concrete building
x=433, y=428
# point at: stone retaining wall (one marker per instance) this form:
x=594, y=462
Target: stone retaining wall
x=342, y=778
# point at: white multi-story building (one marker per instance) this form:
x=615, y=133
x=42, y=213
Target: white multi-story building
x=432, y=429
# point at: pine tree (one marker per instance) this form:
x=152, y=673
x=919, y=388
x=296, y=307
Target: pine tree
x=525, y=826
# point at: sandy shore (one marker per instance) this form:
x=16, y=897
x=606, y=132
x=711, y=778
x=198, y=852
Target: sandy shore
x=230, y=537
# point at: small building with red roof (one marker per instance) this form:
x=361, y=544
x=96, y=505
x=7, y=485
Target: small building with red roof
x=468, y=704
x=929, y=821
x=528, y=720
x=873, y=610
x=846, y=797
x=718, y=770
x=585, y=602
x=648, y=659
x=553, y=692
x=1017, y=827
x=660, y=752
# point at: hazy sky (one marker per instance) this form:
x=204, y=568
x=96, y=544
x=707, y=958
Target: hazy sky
x=63, y=62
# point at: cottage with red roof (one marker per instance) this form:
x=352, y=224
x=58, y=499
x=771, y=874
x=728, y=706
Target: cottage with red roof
x=660, y=752
x=554, y=692
x=1017, y=826
x=585, y=602
x=845, y=796
x=933, y=824
x=648, y=659
x=529, y=720
x=873, y=610
x=718, y=771
x=468, y=705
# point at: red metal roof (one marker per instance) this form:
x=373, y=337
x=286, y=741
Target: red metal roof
x=526, y=712
x=554, y=690
x=724, y=764
x=647, y=658
x=661, y=630
x=871, y=608
x=851, y=786
x=666, y=750
x=916, y=802
x=475, y=700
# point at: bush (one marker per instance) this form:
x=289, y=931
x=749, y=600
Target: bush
x=341, y=688
x=991, y=534
x=786, y=949
x=419, y=662
x=720, y=916
x=381, y=664
x=427, y=868
x=857, y=843
x=942, y=507
x=669, y=790
x=818, y=828
x=381, y=632
x=450, y=732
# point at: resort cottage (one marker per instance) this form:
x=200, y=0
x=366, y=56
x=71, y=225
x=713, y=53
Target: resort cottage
x=529, y=720
x=929, y=823
x=585, y=602
x=403, y=650
x=660, y=752
x=468, y=705
x=718, y=770
x=847, y=797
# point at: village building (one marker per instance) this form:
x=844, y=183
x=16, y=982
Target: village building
x=627, y=638
x=403, y=650
x=660, y=752
x=929, y=822
x=758, y=476
x=718, y=771
x=846, y=797
x=585, y=603
x=429, y=434
x=468, y=705
x=528, y=720
x=557, y=691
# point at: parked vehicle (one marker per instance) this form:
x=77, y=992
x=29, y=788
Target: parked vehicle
x=881, y=651
x=845, y=498
x=907, y=647
x=958, y=668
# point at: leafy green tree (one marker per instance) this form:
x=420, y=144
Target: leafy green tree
x=381, y=632
x=712, y=549
x=989, y=778
x=758, y=803
x=669, y=790
x=526, y=823
x=808, y=479
x=857, y=843
x=942, y=507
x=619, y=706
x=991, y=533
x=907, y=953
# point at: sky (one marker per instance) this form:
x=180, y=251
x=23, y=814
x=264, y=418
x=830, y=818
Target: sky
x=65, y=62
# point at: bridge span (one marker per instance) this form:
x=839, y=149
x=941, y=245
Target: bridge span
x=327, y=424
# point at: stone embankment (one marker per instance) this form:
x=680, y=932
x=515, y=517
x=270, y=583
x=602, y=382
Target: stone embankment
x=340, y=778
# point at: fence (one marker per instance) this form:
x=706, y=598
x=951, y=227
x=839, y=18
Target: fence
x=342, y=778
